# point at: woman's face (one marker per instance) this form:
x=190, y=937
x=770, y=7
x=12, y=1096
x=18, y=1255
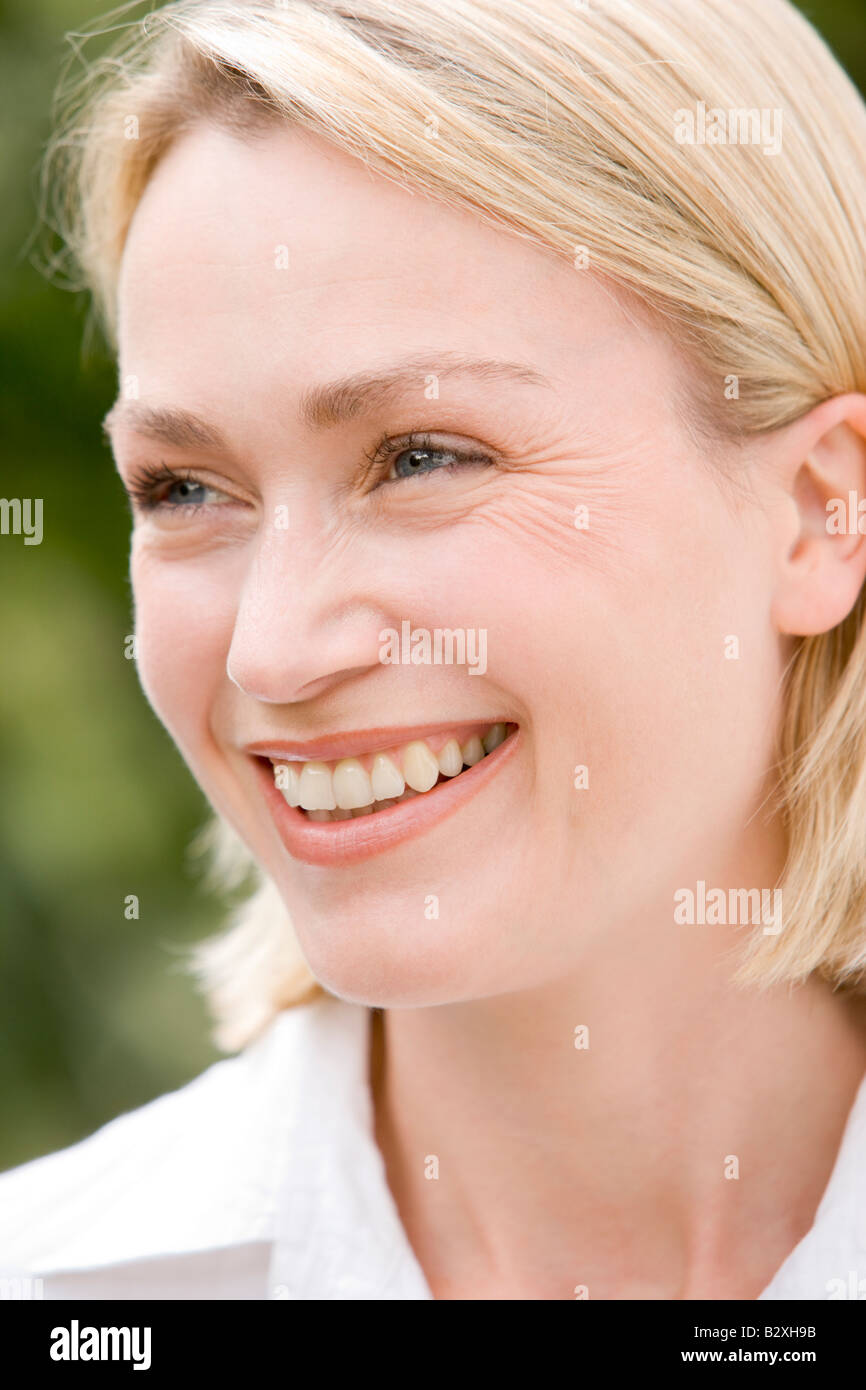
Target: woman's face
x=615, y=606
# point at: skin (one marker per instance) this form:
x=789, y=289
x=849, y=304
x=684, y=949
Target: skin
x=559, y=1168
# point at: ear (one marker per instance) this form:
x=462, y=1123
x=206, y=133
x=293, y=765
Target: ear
x=822, y=470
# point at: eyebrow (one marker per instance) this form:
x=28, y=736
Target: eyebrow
x=324, y=406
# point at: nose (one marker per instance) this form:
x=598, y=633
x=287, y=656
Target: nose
x=302, y=625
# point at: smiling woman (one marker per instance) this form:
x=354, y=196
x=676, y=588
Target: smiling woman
x=428, y=319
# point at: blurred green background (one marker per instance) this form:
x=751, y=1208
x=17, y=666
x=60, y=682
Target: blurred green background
x=97, y=1015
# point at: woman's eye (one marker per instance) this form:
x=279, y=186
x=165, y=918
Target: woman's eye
x=412, y=461
x=156, y=488
x=409, y=459
x=186, y=492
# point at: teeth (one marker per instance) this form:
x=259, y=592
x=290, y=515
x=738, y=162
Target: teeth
x=386, y=778
x=493, y=738
x=288, y=780
x=473, y=751
x=352, y=787
x=316, y=789
x=347, y=790
x=451, y=759
x=420, y=768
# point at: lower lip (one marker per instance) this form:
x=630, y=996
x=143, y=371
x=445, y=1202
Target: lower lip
x=335, y=843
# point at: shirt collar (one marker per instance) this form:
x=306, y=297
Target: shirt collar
x=338, y=1233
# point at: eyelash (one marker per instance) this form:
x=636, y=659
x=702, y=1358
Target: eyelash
x=144, y=481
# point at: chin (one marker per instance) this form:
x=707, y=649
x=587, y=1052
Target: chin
x=375, y=969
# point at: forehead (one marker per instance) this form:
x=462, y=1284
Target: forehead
x=284, y=249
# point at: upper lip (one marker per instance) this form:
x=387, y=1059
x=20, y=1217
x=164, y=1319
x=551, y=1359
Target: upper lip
x=352, y=742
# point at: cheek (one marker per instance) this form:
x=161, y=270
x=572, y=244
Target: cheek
x=639, y=642
x=183, y=623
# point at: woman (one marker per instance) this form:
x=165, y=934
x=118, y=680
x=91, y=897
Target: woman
x=493, y=409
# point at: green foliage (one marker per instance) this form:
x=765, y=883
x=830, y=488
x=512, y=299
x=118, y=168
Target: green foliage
x=97, y=1015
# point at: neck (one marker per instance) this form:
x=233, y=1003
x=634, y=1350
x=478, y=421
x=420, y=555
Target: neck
x=679, y=1152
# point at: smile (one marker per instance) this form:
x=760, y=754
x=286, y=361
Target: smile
x=340, y=809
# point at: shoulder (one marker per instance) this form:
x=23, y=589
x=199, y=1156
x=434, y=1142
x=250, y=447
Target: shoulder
x=193, y=1170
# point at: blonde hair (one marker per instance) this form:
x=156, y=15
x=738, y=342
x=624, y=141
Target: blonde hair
x=557, y=120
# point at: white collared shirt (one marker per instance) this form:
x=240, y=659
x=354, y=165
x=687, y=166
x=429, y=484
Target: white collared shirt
x=262, y=1179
